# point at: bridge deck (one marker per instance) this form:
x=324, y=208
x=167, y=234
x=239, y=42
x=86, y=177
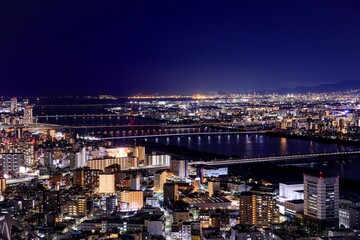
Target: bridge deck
x=271, y=159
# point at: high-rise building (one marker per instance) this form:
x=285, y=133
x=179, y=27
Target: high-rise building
x=258, y=209
x=13, y=105
x=28, y=115
x=89, y=205
x=86, y=177
x=10, y=162
x=72, y=157
x=81, y=206
x=80, y=158
x=134, y=199
x=71, y=208
x=349, y=214
x=159, y=179
x=139, y=152
x=111, y=203
x=24, y=149
x=135, y=182
x=179, y=168
x=48, y=157
x=213, y=187
x=321, y=200
x=107, y=183
x=2, y=184
x=171, y=193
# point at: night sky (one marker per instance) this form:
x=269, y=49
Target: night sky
x=128, y=47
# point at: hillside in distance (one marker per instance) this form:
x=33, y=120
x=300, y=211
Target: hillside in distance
x=332, y=87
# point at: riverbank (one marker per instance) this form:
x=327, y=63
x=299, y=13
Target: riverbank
x=282, y=174
x=315, y=139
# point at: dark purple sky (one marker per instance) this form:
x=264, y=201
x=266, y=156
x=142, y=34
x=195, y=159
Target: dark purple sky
x=127, y=47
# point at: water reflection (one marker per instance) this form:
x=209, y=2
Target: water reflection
x=283, y=146
x=251, y=145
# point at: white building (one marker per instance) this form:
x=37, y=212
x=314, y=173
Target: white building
x=28, y=115
x=154, y=159
x=186, y=231
x=80, y=158
x=152, y=201
x=289, y=192
x=321, y=199
x=214, y=171
x=13, y=106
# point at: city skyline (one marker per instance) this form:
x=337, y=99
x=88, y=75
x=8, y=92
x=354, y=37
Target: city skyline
x=124, y=48
x=206, y=167
x=180, y=120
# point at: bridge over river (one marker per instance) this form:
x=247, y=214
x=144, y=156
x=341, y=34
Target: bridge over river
x=221, y=162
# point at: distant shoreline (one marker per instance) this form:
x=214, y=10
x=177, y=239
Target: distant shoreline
x=316, y=139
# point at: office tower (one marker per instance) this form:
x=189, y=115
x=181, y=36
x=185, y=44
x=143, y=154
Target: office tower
x=258, y=209
x=213, y=187
x=171, y=193
x=13, y=105
x=179, y=168
x=28, y=115
x=107, y=183
x=321, y=200
x=52, y=201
